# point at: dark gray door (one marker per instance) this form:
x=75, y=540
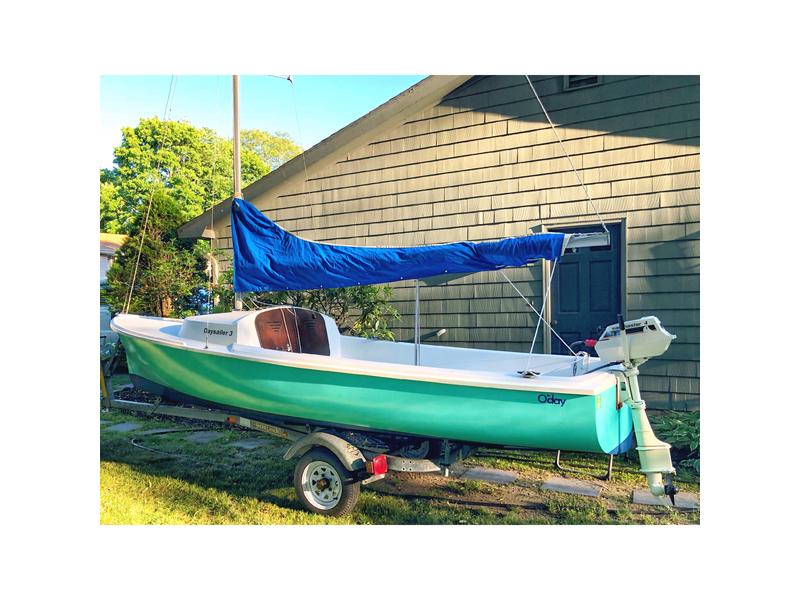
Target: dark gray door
x=586, y=289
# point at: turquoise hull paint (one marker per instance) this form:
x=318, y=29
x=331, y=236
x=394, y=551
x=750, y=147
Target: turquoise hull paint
x=474, y=414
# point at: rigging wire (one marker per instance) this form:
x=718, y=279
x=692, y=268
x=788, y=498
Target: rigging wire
x=299, y=137
x=563, y=149
x=539, y=321
x=173, y=84
x=258, y=304
x=293, y=312
x=286, y=328
x=533, y=308
x=211, y=259
x=555, y=263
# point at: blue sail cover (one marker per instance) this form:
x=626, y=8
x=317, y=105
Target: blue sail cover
x=268, y=258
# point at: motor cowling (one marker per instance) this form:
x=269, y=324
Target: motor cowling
x=643, y=339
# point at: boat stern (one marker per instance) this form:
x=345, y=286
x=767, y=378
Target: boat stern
x=614, y=421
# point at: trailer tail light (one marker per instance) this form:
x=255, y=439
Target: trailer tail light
x=377, y=466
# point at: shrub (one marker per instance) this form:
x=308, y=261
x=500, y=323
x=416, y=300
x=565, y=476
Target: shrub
x=682, y=431
x=364, y=310
x=168, y=271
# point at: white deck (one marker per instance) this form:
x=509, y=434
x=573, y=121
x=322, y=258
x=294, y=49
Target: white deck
x=451, y=357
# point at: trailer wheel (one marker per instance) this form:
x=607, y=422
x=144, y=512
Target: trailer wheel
x=323, y=485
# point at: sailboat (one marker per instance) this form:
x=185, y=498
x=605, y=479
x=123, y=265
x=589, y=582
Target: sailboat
x=291, y=366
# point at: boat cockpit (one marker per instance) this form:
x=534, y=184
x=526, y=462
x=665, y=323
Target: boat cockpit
x=304, y=331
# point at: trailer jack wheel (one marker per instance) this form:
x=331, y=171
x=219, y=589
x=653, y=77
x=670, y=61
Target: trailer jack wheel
x=323, y=485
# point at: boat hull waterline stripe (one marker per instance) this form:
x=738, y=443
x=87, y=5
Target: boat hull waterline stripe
x=482, y=415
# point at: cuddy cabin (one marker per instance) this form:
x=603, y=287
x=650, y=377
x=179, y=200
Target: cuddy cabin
x=289, y=329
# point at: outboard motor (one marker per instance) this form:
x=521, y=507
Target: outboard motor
x=633, y=343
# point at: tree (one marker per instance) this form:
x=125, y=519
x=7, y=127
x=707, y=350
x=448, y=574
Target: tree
x=193, y=166
x=182, y=170
x=274, y=149
x=113, y=218
x=169, y=270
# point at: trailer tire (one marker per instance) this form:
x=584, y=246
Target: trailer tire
x=323, y=485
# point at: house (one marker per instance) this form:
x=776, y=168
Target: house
x=474, y=158
x=109, y=244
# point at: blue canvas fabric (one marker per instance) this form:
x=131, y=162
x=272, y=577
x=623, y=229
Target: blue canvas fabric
x=268, y=258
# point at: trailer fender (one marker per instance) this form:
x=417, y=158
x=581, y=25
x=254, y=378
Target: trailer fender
x=349, y=455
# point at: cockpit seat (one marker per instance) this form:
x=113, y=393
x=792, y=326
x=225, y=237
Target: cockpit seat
x=292, y=329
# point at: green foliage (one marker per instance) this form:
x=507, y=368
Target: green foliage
x=184, y=169
x=576, y=510
x=112, y=208
x=682, y=431
x=273, y=150
x=364, y=311
x=169, y=270
x=223, y=290
x=193, y=166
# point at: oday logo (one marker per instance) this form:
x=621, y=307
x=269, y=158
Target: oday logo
x=551, y=399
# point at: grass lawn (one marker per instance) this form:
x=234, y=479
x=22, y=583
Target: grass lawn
x=168, y=479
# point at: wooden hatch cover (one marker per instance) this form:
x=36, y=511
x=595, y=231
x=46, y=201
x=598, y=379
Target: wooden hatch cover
x=293, y=330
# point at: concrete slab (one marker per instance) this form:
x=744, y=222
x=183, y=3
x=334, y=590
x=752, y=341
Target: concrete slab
x=124, y=427
x=158, y=431
x=683, y=500
x=572, y=486
x=203, y=437
x=490, y=475
x=249, y=444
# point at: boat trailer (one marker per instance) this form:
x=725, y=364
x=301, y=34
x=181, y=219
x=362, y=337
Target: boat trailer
x=332, y=464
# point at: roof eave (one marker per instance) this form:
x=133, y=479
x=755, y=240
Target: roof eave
x=391, y=113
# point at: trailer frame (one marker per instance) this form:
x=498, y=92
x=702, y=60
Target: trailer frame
x=357, y=459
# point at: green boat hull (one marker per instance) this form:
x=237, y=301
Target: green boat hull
x=481, y=415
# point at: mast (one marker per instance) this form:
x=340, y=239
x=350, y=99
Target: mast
x=237, y=161
x=416, y=323
x=237, y=167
